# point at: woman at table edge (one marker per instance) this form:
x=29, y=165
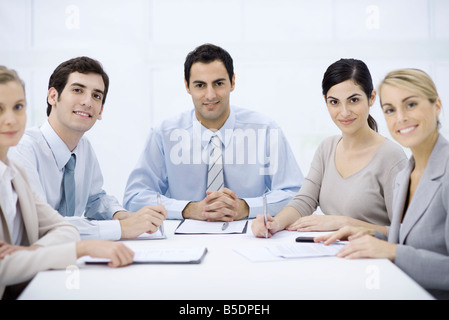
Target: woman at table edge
x=418, y=239
x=358, y=164
x=33, y=236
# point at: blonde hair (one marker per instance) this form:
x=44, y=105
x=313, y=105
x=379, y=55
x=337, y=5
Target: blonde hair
x=411, y=79
x=7, y=75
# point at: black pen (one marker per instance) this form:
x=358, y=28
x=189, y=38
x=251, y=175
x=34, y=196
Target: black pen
x=304, y=239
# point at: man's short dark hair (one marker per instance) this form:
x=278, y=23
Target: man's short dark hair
x=85, y=65
x=207, y=53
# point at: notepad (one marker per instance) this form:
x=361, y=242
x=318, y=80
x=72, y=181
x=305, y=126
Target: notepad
x=161, y=256
x=190, y=226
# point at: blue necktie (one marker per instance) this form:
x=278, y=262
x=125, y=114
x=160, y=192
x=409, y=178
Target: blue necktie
x=69, y=186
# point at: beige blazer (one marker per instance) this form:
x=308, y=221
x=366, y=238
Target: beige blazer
x=44, y=226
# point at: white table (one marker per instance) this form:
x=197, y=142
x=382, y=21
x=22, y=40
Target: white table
x=226, y=275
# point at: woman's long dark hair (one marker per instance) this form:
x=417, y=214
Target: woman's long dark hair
x=350, y=69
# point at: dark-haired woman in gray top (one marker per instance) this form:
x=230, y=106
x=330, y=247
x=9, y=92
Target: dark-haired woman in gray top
x=351, y=176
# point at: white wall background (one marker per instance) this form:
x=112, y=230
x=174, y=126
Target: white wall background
x=280, y=48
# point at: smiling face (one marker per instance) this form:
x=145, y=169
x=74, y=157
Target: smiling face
x=348, y=106
x=12, y=116
x=210, y=88
x=411, y=118
x=78, y=107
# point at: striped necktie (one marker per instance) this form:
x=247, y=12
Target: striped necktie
x=68, y=196
x=215, y=180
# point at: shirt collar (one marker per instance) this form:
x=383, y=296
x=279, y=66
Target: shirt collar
x=59, y=149
x=223, y=132
x=7, y=171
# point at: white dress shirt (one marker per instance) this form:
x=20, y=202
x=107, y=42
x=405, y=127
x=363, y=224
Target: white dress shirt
x=257, y=159
x=43, y=155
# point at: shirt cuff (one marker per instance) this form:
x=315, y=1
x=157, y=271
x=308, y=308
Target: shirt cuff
x=110, y=230
x=113, y=209
x=97, y=229
x=174, y=209
x=255, y=206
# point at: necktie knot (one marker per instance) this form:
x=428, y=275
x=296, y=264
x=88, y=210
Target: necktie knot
x=70, y=165
x=215, y=141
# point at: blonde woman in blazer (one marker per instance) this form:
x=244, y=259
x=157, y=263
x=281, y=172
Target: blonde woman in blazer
x=33, y=236
x=42, y=226
x=423, y=234
x=418, y=239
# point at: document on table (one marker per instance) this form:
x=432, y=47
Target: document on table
x=161, y=256
x=257, y=254
x=190, y=226
x=282, y=251
x=304, y=250
x=151, y=236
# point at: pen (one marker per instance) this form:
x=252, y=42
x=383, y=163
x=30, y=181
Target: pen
x=225, y=225
x=161, y=227
x=265, y=213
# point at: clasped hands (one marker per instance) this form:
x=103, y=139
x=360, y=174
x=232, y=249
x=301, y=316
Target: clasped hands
x=221, y=205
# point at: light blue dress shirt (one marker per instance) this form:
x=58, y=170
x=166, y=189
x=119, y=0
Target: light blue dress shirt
x=256, y=156
x=43, y=155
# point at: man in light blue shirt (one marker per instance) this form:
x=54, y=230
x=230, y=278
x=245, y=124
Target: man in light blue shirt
x=254, y=155
x=76, y=96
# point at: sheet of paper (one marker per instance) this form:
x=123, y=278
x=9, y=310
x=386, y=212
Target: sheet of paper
x=161, y=255
x=190, y=226
x=151, y=236
x=282, y=251
x=305, y=250
x=285, y=234
x=257, y=254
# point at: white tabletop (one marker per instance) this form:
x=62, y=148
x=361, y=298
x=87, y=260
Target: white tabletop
x=226, y=275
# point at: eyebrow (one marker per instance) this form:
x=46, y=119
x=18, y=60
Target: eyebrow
x=215, y=81
x=76, y=84
x=350, y=97
x=403, y=100
x=18, y=101
x=354, y=95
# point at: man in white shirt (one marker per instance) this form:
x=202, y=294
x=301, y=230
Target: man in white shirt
x=216, y=161
x=76, y=96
